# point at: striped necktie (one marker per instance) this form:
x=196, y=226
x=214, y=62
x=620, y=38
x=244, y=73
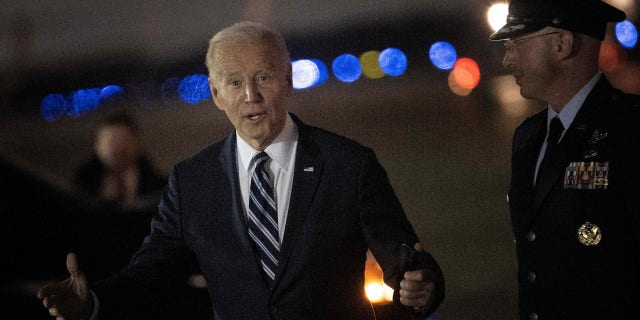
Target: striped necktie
x=263, y=218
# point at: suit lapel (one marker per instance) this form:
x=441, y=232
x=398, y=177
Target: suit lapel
x=306, y=176
x=230, y=166
x=552, y=172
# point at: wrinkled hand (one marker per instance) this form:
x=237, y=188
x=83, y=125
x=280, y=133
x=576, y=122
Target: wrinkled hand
x=68, y=299
x=417, y=287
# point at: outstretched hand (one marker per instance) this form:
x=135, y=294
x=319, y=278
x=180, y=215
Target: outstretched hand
x=68, y=299
x=417, y=287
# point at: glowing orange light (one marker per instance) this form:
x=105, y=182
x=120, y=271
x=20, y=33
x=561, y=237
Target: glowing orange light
x=374, y=287
x=466, y=73
x=455, y=87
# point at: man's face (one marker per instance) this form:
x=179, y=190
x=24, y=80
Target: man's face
x=529, y=58
x=252, y=85
x=117, y=147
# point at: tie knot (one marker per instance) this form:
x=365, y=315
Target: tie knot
x=555, y=130
x=260, y=158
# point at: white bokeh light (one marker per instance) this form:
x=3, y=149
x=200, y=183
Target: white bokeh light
x=497, y=15
x=305, y=73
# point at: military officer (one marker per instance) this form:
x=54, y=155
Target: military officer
x=575, y=174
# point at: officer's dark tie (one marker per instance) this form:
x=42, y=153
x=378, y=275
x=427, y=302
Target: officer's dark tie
x=555, y=131
x=263, y=218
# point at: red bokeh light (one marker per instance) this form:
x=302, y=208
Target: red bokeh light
x=466, y=73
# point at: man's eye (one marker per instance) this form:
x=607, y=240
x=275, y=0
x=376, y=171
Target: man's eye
x=263, y=77
x=234, y=83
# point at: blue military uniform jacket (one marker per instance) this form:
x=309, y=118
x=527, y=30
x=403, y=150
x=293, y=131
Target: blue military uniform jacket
x=577, y=231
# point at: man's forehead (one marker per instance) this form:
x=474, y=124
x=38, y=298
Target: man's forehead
x=233, y=66
x=235, y=59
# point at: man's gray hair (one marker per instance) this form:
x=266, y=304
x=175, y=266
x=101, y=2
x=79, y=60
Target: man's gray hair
x=250, y=31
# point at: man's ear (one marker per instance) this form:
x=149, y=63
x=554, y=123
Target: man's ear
x=214, y=92
x=565, y=44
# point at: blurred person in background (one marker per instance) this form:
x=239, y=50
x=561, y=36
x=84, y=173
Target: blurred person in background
x=119, y=172
x=574, y=188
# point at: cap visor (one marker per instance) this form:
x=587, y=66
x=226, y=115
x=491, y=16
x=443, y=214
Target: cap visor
x=511, y=30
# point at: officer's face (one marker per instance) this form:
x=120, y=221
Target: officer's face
x=530, y=59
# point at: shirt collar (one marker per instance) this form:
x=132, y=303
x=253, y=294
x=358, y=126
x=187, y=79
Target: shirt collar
x=568, y=113
x=280, y=150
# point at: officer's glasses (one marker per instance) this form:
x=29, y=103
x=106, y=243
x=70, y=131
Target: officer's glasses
x=512, y=45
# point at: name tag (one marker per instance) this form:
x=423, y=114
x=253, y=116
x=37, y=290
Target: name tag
x=586, y=175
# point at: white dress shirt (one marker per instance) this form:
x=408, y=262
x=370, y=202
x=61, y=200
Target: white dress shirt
x=282, y=154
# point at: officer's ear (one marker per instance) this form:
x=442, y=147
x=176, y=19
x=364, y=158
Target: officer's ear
x=564, y=44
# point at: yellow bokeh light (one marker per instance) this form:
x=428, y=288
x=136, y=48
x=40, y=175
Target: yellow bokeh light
x=370, y=65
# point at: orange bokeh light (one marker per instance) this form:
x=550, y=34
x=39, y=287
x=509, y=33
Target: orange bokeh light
x=466, y=73
x=375, y=288
x=612, y=56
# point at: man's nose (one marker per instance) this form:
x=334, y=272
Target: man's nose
x=252, y=93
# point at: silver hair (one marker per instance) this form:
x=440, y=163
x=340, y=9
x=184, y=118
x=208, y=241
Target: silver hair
x=250, y=31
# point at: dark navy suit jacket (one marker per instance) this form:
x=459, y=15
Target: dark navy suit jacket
x=560, y=277
x=341, y=205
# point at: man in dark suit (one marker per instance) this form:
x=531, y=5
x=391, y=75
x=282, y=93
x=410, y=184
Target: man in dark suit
x=574, y=188
x=278, y=216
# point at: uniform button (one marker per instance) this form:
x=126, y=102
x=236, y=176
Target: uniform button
x=531, y=236
x=531, y=277
x=533, y=316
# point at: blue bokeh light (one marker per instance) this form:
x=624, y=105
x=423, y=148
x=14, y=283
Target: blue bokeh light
x=443, y=55
x=305, y=73
x=53, y=107
x=83, y=101
x=627, y=34
x=194, y=89
x=110, y=93
x=393, y=61
x=346, y=67
x=324, y=72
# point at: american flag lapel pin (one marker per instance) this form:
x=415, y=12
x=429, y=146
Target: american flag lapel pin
x=308, y=169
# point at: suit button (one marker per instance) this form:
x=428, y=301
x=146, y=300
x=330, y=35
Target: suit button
x=531, y=277
x=531, y=236
x=533, y=316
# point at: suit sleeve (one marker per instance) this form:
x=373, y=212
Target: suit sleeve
x=389, y=233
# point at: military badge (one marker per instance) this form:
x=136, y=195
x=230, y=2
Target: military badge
x=590, y=154
x=587, y=175
x=589, y=234
x=597, y=136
